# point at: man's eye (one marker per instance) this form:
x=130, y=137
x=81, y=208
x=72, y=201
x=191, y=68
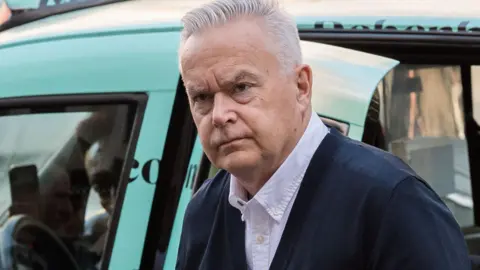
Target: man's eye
x=200, y=98
x=241, y=87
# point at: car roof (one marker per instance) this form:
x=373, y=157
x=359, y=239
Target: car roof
x=158, y=14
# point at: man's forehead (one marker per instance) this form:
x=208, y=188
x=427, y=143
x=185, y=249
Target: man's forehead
x=213, y=54
x=236, y=39
x=225, y=54
x=226, y=63
x=197, y=80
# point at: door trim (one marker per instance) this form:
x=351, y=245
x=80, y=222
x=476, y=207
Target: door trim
x=178, y=148
x=125, y=178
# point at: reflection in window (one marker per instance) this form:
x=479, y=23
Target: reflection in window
x=5, y=12
x=476, y=92
x=62, y=170
x=422, y=115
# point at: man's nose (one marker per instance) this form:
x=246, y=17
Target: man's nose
x=222, y=112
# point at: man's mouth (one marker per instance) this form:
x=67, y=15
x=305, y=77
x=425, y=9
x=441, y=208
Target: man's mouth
x=230, y=142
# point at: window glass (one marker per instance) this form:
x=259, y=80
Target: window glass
x=61, y=170
x=423, y=122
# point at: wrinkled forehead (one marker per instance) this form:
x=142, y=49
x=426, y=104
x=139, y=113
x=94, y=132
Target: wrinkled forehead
x=201, y=80
x=223, y=50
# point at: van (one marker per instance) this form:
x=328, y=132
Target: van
x=99, y=155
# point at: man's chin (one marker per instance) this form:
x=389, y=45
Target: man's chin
x=238, y=161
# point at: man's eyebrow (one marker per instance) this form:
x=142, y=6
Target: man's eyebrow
x=194, y=88
x=238, y=76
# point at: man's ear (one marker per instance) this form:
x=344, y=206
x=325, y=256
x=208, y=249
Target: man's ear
x=304, y=83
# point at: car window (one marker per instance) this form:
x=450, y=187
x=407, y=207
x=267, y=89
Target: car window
x=422, y=122
x=62, y=169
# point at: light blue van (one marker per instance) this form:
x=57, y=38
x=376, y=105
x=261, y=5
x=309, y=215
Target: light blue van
x=98, y=152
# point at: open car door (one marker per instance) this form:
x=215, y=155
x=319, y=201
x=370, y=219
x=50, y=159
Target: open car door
x=91, y=155
x=344, y=82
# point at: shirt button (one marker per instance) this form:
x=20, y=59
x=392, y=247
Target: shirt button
x=260, y=239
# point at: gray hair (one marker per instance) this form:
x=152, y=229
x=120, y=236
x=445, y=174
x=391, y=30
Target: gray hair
x=280, y=25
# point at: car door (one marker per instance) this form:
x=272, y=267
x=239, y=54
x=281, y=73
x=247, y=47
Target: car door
x=52, y=89
x=344, y=81
x=61, y=162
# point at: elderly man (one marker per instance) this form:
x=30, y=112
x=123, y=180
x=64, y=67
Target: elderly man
x=292, y=193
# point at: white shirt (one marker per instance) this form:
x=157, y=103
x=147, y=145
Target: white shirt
x=266, y=214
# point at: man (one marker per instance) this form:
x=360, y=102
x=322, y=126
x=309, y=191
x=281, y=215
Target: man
x=292, y=193
x=456, y=87
x=413, y=86
x=57, y=210
x=101, y=140
x=103, y=178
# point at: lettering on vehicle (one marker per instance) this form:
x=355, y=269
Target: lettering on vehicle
x=150, y=172
x=462, y=27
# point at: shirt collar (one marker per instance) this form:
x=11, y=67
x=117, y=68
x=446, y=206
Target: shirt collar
x=279, y=190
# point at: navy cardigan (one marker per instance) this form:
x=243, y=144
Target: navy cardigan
x=357, y=208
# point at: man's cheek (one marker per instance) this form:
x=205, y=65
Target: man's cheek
x=197, y=119
x=206, y=141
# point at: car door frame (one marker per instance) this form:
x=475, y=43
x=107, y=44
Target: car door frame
x=178, y=148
